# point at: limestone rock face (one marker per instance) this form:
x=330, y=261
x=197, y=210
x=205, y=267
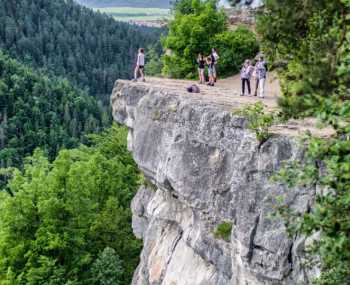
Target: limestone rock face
x=208, y=168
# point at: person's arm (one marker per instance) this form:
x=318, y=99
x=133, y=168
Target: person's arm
x=138, y=60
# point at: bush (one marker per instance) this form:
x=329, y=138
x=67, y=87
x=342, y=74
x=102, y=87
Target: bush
x=234, y=47
x=223, y=231
x=259, y=120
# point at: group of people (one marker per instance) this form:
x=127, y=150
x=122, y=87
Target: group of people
x=258, y=72
x=210, y=61
x=248, y=71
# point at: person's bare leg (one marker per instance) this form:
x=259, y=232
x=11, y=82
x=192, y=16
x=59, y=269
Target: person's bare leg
x=142, y=75
x=136, y=73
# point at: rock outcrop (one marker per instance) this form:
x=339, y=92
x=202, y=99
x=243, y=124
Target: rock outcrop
x=204, y=168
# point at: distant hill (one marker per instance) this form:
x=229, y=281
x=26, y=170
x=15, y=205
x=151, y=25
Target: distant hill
x=126, y=3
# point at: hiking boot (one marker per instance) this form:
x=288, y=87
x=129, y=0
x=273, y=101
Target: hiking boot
x=134, y=80
x=241, y=94
x=143, y=80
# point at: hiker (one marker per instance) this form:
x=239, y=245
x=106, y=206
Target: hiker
x=246, y=73
x=140, y=65
x=210, y=71
x=201, y=67
x=261, y=72
x=214, y=58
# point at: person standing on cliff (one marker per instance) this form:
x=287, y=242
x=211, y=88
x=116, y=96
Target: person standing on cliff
x=246, y=73
x=140, y=65
x=201, y=67
x=214, y=58
x=261, y=74
x=210, y=71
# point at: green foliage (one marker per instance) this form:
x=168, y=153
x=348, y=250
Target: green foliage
x=198, y=27
x=90, y=49
x=63, y=214
x=223, y=231
x=148, y=183
x=313, y=38
x=38, y=111
x=154, y=63
x=107, y=268
x=310, y=38
x=259, y=120
x=234, y=47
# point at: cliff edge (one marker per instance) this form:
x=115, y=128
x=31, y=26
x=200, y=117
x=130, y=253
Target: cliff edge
x=205, y=169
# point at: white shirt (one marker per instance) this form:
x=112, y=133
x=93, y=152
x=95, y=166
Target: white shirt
x=140, y=59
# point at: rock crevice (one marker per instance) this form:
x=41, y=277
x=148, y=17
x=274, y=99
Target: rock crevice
x=207, y=168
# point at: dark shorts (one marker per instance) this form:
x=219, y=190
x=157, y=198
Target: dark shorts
x=141, y=67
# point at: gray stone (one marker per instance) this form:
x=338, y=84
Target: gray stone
x=208, y=168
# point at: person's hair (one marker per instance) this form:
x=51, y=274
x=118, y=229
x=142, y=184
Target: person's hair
x=247, y=61
x=261, y=57
x=200, y=56
x=141, y=50
x=214, y=49
x=209, y=59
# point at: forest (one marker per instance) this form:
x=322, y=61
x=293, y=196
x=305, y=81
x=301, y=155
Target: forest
x=65, y=39
x=68, y=221
x=66, y=193
x=39, y=111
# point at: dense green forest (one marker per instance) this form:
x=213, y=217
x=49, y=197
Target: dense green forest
x=40, y=111
x=90, y=49
x=65, y=214
x=69, y=221
x=310, y=41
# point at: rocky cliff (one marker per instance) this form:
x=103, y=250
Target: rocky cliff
x=204, y=169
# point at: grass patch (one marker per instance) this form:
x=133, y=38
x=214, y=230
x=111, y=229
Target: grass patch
x=136, y=14
x=223, y=231
x=147, y=183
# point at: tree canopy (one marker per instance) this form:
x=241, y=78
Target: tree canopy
x=68, y=219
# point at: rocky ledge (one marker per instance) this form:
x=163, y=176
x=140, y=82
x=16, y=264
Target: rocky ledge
x=205, y=170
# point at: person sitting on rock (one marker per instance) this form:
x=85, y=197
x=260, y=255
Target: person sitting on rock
x=140, y=65
x=246, y=73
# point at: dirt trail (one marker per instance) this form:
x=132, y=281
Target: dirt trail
x=226, y=95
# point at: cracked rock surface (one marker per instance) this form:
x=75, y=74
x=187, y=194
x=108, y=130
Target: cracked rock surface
x=207, y=168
